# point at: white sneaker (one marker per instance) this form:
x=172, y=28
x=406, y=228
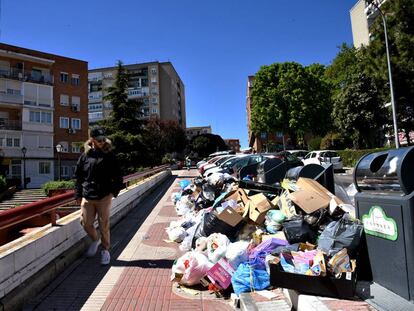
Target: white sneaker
x=105, y=257
x=93, y=248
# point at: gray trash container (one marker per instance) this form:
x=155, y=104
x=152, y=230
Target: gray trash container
x=385, y=205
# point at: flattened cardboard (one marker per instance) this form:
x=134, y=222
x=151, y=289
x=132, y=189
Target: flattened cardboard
x=286, y=206
x=230, y=216
x=258, y=207
x=220, y=274
x=311, y=196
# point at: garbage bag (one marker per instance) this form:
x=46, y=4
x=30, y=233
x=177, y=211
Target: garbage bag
x=212, y=224
x=201, y=244
x=274, y=219
x=186, y=244
x=192, y=266
x=344, y=233
x=176, y=234
x=216, y=179
x=259, y=253
x=184, y=206
x=297, y=230
x=216, y=246
x=237, y=253
x=184, y=183
x=248, y=278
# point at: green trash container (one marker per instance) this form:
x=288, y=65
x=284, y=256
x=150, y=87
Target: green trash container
x=385, y=205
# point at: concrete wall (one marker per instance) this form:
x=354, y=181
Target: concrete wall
x=22, y=258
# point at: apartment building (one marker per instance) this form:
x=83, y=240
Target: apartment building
x=43, y=104
x=361, y=23
x=233, y=144
x=156, y=85
x=197, y=130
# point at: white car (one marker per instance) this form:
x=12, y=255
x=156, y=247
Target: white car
x=324, y=157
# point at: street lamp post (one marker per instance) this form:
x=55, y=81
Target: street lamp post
x=394, y=114
x=59, y=149
x=24, y=150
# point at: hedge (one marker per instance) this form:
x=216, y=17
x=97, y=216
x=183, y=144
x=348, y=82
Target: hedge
x=63, y=184
x=351, y=157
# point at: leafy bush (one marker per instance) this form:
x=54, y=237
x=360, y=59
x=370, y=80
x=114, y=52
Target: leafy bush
x=53, y=185
x=167, y=159
x=3, y=184
x=333, y=141
x=315, y=143
x=351, y=157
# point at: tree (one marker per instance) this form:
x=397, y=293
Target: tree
x=123, y=125
x=290, y=98
x=356, y=110
x=206, y=144
x=400, y=21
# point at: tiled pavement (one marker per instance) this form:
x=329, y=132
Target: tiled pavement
x=138, y=277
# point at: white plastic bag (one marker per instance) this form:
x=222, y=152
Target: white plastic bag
x=217, y=246
x=176, y=234
x=237, y=253
x=192, y=266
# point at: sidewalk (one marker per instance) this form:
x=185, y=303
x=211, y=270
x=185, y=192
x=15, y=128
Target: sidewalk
x=138, y=277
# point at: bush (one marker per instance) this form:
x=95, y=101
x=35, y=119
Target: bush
x=315, y=143
x=333, y=141
x=167, y=159
x=351, y=157
x=3, y=184
x=53, y=185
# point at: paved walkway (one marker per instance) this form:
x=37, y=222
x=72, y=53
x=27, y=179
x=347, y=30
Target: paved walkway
x=138, y=277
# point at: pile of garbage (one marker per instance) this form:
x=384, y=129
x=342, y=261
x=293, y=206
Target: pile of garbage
x=241, y=236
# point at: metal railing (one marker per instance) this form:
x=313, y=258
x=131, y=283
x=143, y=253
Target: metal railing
x=13, y=125
x=26, y=212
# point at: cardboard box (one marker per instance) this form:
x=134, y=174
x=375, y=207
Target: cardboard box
x=242, y=197
x=220, y=274
x=311, y=196
x=258, y=207
x=230, y=216
x=344, y=287
x=278, y=235
x=286, y=206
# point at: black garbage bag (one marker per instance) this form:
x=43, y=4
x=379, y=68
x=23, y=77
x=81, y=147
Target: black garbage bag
x=285, y=248
x=298, y=230
x=344, y=233
x=212, y=224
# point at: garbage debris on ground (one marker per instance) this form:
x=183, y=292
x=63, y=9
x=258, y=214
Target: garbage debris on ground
x=241, y=236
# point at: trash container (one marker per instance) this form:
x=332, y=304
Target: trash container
x=322, y=174
x=271, y=171
x=385, y=205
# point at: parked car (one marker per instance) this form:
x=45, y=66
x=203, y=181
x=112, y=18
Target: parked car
x=300, y=154
x=290, y=159
x=224, y=166
x=324, y=157
x=213, y=162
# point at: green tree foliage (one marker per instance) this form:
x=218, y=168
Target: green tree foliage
x=400, y=21
x=123, y=125
x=357, y=113
x=206, y=144
x=290, y=98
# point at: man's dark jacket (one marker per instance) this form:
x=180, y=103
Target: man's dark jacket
x=97, y=173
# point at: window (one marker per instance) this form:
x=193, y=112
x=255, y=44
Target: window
x=75, y=79
x=46, y=117
x=154, y=100
x=64, y=77
x=45, y=142
x=16, y=168
x=64, y=123
x=16, y=142
x=40, y=117
x=146, y=101
x=76, y=147
x=154, y=110
x=76, y=124
x=65, y=146
x=153, y=80
x=44, y=168
x=64, y=100
x=75, y=103
x=154, y=90
x=64, y=171
x=153, y=71
x=9, y=142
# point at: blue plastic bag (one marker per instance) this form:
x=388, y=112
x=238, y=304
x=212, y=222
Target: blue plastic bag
x=247, y=278
x=184, y=183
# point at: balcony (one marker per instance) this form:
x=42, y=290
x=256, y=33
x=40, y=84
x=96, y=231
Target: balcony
x=27, y=76
x=95, y=97
x=138, y=92
x=11, y=97
x=12, y=125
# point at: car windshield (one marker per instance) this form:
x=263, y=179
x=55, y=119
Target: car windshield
x=231, y=162
x=222, y=160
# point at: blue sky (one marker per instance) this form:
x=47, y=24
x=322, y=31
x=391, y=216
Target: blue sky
x=214, y=45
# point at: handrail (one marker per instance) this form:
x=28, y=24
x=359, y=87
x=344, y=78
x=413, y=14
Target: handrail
x=28, y=211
